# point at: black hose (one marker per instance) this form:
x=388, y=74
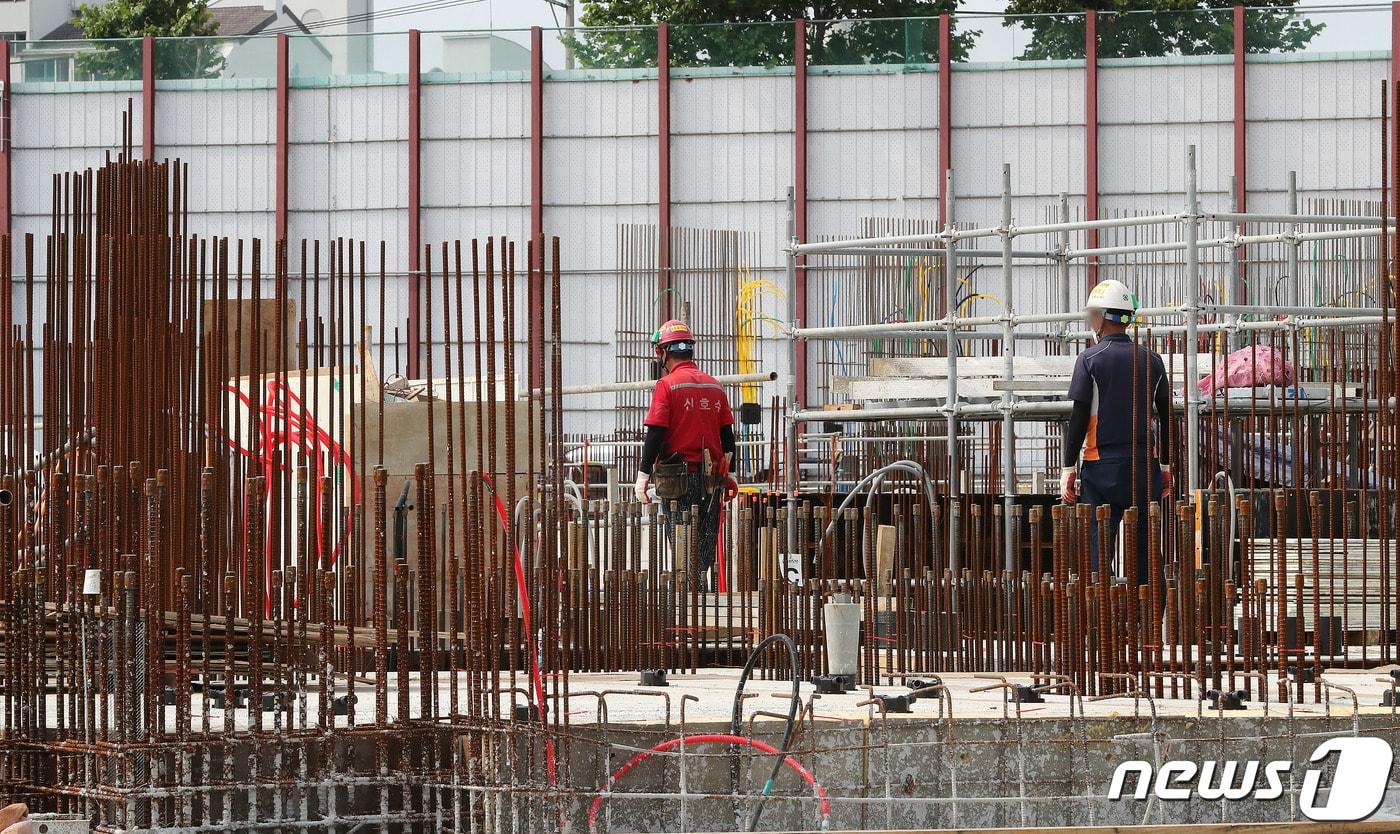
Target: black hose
x=736, y=722
x=401, y=508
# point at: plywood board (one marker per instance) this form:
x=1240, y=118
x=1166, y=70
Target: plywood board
x=885, y=538
x=239, y=316
x=405, y=426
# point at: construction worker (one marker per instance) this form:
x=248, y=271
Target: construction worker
x=689, y=446
x=1109, y=442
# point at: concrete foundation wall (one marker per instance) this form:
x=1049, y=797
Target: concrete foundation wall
x=978, y=773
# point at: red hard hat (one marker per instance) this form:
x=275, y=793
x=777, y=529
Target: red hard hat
x=671, y=332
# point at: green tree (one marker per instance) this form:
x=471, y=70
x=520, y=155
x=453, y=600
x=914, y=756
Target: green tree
x=1148, y=28
x=839, y=32
x=155, y=18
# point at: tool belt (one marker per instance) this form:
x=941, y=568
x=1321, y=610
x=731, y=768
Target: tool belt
x=669, y=477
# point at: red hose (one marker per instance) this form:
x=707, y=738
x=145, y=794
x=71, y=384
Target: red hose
x=523, y=593
x=706, y=738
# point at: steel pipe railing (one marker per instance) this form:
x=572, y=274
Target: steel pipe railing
x=647, y=385
x=935, y=328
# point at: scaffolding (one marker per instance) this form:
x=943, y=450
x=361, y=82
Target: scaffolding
x=950, y=244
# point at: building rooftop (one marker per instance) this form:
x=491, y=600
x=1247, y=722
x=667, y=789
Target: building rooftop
x=233, y=21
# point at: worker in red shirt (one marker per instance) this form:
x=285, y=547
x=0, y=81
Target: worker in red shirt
x=689, y=446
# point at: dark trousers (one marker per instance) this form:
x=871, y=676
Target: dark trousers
x=706, y=525
x=1111, y=482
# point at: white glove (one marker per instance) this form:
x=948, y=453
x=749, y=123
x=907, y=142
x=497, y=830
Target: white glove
x=639, y=487
x=1069, y=484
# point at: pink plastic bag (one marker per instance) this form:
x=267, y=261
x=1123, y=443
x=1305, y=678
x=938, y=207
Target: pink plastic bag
x=1247, y=368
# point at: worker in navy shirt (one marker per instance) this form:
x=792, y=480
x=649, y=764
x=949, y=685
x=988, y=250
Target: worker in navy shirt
x=690, y=420
x=1108, y=443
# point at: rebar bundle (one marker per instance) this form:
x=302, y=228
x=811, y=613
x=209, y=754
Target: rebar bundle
x=250, y=584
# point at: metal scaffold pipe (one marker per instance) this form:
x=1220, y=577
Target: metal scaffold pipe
x=931, y=327
x=1295, y=292
x=950, y=273
x=1232, y=285
x=1193, y=293
x=1008, y=352
x=1047, y=411
x=1061, y=261
x=644, y=385
x=928, y=252
x=837, y=247
x=1273, y=325
x=1292, y=217
x=1100, y=223
x=1235, y=240
x=793, y=464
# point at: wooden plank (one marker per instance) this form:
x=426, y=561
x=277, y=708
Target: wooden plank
x=936, y=367
x=884, y=556
x=969, y=366
x=1039, y=385
x=240, y=314
x=905, y=388
x=1350, y=564
x=981, y=377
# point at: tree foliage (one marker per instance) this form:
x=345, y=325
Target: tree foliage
x=1149, y=28
x=761, y=35
x=149, y=18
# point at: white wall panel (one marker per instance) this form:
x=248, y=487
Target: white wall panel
x=74, y=120
x=55, y=133
x=841, y=218
x=872, y=152
x=1018, y=97
x=216, y=117
x=1288, y=90
x=468, y=222
x=731, y=156
x=231, y=187
x=1168, y=93
x=1140, y=159
x=347, y=166
x=732, y=104
x=588, y=235
x=227, y=178
x=496, y=110
x=601, y=108
x=731, y=167
x=1320, y=119
x=369, y=114
x=475, y=172
x=1030, y=118
x=600, y=171
x=476, y=161
x=1148, y=116
x=872, y=148
x=872, y=103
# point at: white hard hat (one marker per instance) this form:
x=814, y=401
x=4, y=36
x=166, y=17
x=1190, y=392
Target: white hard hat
x=1111, y=295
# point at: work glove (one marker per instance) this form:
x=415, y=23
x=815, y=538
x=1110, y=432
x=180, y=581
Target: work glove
x=1069, y=484
x=1166, y=481
x=639, y=487
x=14, y=819
x=731, y=488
